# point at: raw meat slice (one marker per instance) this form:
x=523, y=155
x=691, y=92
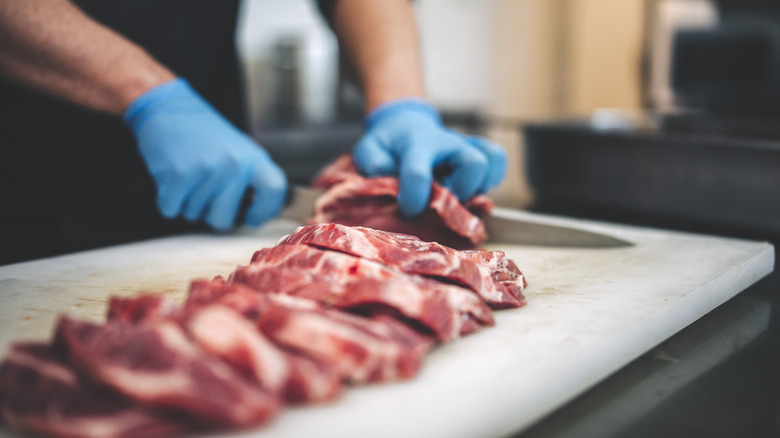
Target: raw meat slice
x=480, y=205
x=358, y=349
x=477, y=270
x=503, y=270
x=218, y=330
x=243, y=299
x=361, y=350
x=238, y=297
x=344, y=281
x=225, y=333
x=141, y=308
x=156, y=364
x=215, y=320
x=432, y=310
x=39, y=392
x=354, y=200
x=311, y=380
x=203, y=292
x=308, y=380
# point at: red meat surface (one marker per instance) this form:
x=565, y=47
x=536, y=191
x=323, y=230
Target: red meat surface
x=40, y=392
x=489, y=273
x=344, y=281
x=157, y=365
x=354, y=200
x=361, y=350
x=223, y=332
x=144, y=307
x=358, y=348
x=216, y=321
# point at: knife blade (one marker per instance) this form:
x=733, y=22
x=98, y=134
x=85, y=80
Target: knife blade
x=514, y=227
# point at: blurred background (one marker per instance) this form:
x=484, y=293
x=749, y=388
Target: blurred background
x=658, y=111
x=497, y=62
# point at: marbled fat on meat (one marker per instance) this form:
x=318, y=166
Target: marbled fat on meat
x=39, y=392
x=356, y=348
x=361, y=350
x=220, y=318
x=489, y=273
x=156, y=364
x=353, y=200
x=224, y=333
x=141, y=308
x=226, y=327
x=344, y=281
x=503, y=271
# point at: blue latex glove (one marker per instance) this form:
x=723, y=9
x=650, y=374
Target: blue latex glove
x=406, y=138
x=201, y=163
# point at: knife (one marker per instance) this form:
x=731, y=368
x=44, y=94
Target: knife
x=503, y=225
x=516, y=227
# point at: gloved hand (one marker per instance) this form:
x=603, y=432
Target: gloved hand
x=405, y=138
x=201, y=163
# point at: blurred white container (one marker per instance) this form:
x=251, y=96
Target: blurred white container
x=268, y=28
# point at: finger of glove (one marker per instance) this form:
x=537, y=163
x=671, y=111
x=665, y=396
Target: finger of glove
x=270, y=188
x=223, y=208
x=171, y=195
x=372, y=159
x=469, y=170
x=414, y=182
x=196, y=203
x=497, y=161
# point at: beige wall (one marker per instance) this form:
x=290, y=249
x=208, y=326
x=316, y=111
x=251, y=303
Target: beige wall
x=526, y=81
x=515, y=60
x=565, y=57
x=603, y=42
x=560, y=58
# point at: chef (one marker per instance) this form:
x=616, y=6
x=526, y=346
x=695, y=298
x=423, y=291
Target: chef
x=123, y=120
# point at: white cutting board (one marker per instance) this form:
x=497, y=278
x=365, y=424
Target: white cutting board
x=589, y=312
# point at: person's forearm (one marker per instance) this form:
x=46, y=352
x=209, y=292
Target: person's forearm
x=53, y=47
x=381, y=42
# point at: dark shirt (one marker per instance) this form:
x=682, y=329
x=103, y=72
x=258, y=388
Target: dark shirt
x=71, y=178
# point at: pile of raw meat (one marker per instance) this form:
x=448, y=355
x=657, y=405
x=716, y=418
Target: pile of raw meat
x=328, y=306
x=352, y=199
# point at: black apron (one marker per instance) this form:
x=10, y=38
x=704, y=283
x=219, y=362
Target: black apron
x=71, y=178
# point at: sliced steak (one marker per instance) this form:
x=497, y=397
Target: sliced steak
x=225, y=333
x=344, y=281
x=361, y=350
x=503, y=271
x=354, y=200
x=140, y=308
x=357, y=348
x=223, y=324
x=39, y=392
x=156, y=364
x=486, y=272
